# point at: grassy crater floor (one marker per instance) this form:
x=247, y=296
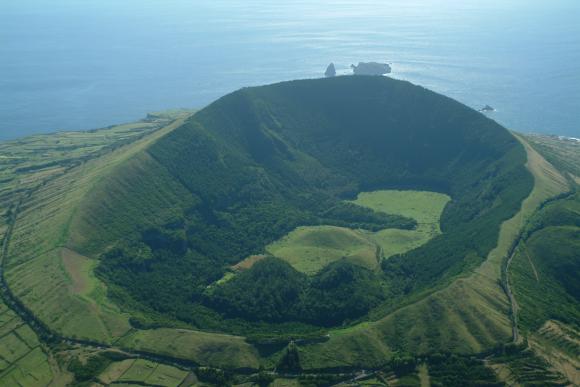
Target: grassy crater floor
x=311, y=248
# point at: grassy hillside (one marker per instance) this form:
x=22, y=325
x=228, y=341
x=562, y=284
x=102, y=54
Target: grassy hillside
x=546, y=266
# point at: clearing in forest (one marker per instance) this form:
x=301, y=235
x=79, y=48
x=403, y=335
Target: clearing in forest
x=311, y=248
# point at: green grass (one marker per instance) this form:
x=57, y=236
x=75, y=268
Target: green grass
x=559, y=344
x=166, y=376
x=563, y=154
x=32, y=369
x=526, y=368
x=285, y=383
x=311, y=248
x=48, y=272
x=545, y=266
x=423, y=206
x=22, y=361
x=544, y=272
x=141, y=370
x=263, y=161
x=218, y=350
x=13, y=348
x=43, y=284
x=57, y=284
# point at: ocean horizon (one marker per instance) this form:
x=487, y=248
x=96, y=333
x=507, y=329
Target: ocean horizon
x=69, y=65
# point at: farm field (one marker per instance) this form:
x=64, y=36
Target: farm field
x=563, y=153
x=311, y=248
x=219, y=350
x=23, y=359
x=145, y=372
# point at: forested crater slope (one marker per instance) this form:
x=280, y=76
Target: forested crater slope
x=260, y=162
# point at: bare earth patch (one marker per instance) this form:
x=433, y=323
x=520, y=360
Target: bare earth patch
x=248, y=262
x=78, y=267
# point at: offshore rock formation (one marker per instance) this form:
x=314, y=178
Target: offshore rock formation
x=371, y=68
x=330, y=71
x=486, y=109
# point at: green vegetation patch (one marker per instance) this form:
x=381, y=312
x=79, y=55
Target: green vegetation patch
x=310, y=249
x=168, y=376
x=273, y=291
x=522, y=366
x=563, y=153
x=459, y=371
x=141, y=370
x=243, y=173
x=33, y=369
x=423, y=206
x=219, y=350
x=22, y=361
x=546, y=266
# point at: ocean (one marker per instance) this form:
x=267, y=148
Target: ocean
x=70, y=65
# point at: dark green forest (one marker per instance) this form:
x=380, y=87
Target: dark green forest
x=262, y=161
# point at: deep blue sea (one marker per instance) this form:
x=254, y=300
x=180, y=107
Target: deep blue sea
x=81, y=64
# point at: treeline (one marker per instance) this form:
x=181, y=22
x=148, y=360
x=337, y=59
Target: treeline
x=273, y=291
